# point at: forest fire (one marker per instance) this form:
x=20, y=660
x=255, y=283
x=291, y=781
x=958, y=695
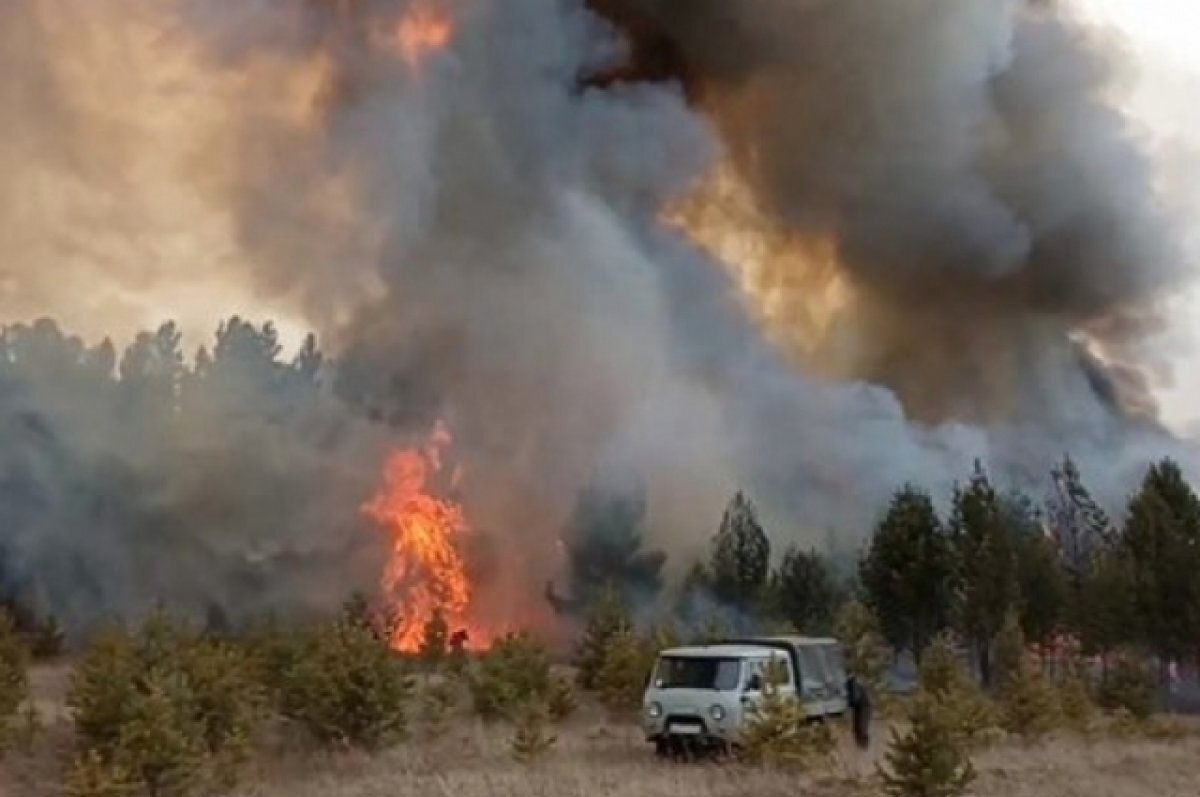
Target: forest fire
x=426, y=571
x=794, y=286
x=423, y=30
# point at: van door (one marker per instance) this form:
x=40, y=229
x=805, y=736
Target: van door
x=835, y=668
x=758, y=670
x=813, y=687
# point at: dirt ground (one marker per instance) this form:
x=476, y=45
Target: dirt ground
x=594, y=759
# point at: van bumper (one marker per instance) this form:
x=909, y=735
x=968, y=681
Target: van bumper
x=686, y=732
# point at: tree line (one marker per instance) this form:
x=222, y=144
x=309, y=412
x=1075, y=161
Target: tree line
x=1067, y=570
x=228, y=476
x=1063, y=567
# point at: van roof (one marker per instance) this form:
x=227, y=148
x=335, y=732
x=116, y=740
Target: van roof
x=802, y=640
x=733, y=651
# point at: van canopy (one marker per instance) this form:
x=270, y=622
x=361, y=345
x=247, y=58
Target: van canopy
x=819, y=662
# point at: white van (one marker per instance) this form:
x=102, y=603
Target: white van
x=700, y=696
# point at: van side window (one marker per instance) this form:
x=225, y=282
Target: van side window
x=754, y=675
x=781, y=672
x=812, y=673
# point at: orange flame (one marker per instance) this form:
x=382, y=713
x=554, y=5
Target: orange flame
x=426, y=571
x=424, y=29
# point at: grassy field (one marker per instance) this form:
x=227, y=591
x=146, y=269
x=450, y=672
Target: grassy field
x=595, y=759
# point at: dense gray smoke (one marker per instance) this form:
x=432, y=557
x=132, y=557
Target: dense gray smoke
x=979, y=187
x=475, y=225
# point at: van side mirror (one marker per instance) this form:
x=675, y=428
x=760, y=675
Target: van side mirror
x=754, y=683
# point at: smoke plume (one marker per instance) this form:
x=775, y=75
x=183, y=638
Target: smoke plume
x=965, y=168
x=534, y=230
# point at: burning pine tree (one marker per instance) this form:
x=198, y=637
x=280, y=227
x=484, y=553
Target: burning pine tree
x=426, y=572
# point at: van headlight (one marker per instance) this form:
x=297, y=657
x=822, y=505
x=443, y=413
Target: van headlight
x=654, y=711
x=717, y=713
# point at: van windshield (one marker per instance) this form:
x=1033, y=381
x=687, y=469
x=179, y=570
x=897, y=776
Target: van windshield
x=696, y=672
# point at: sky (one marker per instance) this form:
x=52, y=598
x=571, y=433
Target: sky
x=1164, y=37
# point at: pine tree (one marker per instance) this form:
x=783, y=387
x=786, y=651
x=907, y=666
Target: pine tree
x=941, y=672
x=1043, y=587
x=531, y=740
x=604, y=541
x=160, y=744
x=775, y=732
x=561, y=702
x=741, y=557
x=908, y=572
x=607, y=617
x=865, y=649
x=623, y=673
x=943, y=678
x=1029, y=705
x=987, y=565
x=804, y=592
x=435, y=639
x=1009, y=649
x=663, y=635
x=1162, y=541
x=712, y=630
x=515, y=671
x=357, y=611
x=1079, y=525
x=1075, y=701
x=1128, y=686
x=930, y=759
x=693, y=602
x=1107, y=592
x=346, y=688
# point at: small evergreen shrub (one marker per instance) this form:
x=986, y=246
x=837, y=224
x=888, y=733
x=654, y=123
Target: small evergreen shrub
x=561, y=702
x=776, y=733
x=1128, y=684
x=1075, y=700
x=605, y=619
x=930, y=759
x=866, y=651
x=163, y=709
x=515, y=671
x=531, y=739
x=90, y=775
x=346, y=688
x=1029, y=703
x=943, y=679
x=435, y=640
x=438, y=701
x=161, y=741
x=621, y=680
x=1008, y=652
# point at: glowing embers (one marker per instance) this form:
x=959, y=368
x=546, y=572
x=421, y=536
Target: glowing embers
x=423, y=30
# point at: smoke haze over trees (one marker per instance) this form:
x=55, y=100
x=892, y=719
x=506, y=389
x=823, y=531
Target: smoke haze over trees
x=148, y=475
x=484, y=238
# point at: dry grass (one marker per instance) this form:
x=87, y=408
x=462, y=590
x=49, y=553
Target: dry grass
x=593, y=759
x=475, y=763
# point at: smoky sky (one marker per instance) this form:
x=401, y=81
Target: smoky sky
x=480, y=238
x=968, y=161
